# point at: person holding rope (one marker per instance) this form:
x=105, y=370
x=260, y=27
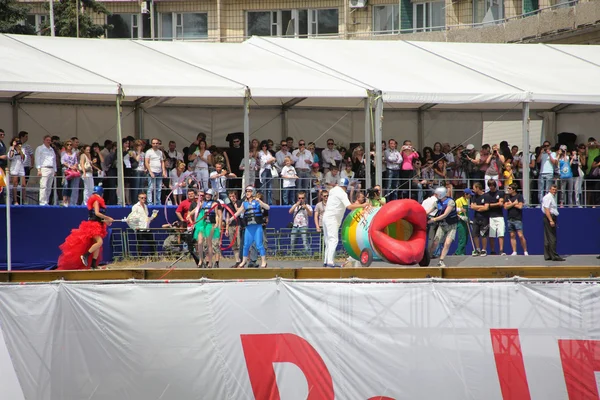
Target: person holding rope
x=253, y=218
x=446, y=219
x=208, y=216
x=76, y=249
x=462, y=207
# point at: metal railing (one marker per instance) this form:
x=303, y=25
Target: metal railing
x=571, y=192
x=159, y=243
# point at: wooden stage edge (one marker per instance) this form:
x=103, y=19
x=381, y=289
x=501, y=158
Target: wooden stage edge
x=471, y=273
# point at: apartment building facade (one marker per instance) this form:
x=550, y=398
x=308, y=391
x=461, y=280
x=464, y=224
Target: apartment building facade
x=236, y=20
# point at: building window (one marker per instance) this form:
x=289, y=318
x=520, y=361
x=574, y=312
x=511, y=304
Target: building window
x=183, y=25
x=430, y=16
x=128, y=26
x=488, y=11
x=386, y=19
x=38, y=21
x=293, y=23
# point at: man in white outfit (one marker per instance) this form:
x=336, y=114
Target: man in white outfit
x=336, y=207
x=45, y=159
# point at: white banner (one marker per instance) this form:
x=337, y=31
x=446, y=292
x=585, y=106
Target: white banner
x=303, y=340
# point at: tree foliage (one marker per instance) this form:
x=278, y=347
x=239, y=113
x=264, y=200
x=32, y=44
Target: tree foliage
x=65, y=18
x=12, y=16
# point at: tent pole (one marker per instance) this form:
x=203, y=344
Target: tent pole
x=120, y=170
x=525, y=158
x=421, y=128
x=246, y=142
x=51, y=17
x=378, y=138
x=367, y=141
x=8, y=222
x=15, y=117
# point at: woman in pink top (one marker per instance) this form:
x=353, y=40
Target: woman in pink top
x=406, y=170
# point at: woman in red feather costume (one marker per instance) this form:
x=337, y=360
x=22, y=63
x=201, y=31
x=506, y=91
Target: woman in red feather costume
x=86, y=241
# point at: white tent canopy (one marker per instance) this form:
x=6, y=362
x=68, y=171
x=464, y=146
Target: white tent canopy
x=311, y=74
x=405, y=74
x=25, y=69
x=272, y=80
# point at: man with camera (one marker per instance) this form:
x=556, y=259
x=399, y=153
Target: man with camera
x=547, y=160
x=300, y=211
x=374, y=197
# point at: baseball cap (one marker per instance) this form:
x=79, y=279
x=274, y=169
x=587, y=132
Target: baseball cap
x=344, y=182
x=315, y=165
x=470, y=147
x=469, y=191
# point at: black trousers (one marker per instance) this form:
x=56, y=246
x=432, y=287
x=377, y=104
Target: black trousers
x=550, y=239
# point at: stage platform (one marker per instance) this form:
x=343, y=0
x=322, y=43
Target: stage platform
x=458, y=267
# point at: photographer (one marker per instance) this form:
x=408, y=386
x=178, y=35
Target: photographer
x=409, y=154
x=301, y=211
x=18, y=158
x=374, y=196
x=495, y=163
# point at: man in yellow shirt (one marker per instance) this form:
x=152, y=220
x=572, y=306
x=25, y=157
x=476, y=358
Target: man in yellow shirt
x=462, y=208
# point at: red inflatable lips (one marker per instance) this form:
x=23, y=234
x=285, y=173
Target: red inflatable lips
x=404, y=252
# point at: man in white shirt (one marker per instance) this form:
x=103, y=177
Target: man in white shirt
x=155, y=164
x=393, y=163
x=330, y=156
x=45, y=158
x=336, y=207
x=304, y=160
x=550, y=211
x=139, y=221
x=547, y=160
x=282, y=154
x=218, y=181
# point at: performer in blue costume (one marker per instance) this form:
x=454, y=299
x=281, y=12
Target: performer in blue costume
x=253, y=218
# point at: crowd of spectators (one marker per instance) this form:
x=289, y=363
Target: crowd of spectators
x=282, y=171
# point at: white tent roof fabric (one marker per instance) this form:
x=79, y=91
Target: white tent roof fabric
x=328, y=73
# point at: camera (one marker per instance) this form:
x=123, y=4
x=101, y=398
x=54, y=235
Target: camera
x=372, y=193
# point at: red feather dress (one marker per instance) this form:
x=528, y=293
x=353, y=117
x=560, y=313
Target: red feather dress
x=81, y=239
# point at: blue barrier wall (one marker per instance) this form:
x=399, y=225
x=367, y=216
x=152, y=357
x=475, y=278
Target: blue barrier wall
x=38, y=231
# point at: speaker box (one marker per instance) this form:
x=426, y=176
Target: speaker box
x=568, y=139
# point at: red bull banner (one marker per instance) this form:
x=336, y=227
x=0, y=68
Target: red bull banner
x=282, y=340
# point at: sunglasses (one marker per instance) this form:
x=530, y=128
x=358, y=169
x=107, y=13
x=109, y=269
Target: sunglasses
x=300, y=144
x=329, y=144
x=326, y=196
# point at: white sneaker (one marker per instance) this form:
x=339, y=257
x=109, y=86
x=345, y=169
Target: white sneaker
x=503, y=254
x=526, y=254
x=441, y=263
x=514, y=253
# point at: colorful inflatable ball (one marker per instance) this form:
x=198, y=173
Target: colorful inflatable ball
x=396, y=233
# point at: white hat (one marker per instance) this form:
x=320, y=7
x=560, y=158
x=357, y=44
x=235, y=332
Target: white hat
x=441, y=192
x=470, y=147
